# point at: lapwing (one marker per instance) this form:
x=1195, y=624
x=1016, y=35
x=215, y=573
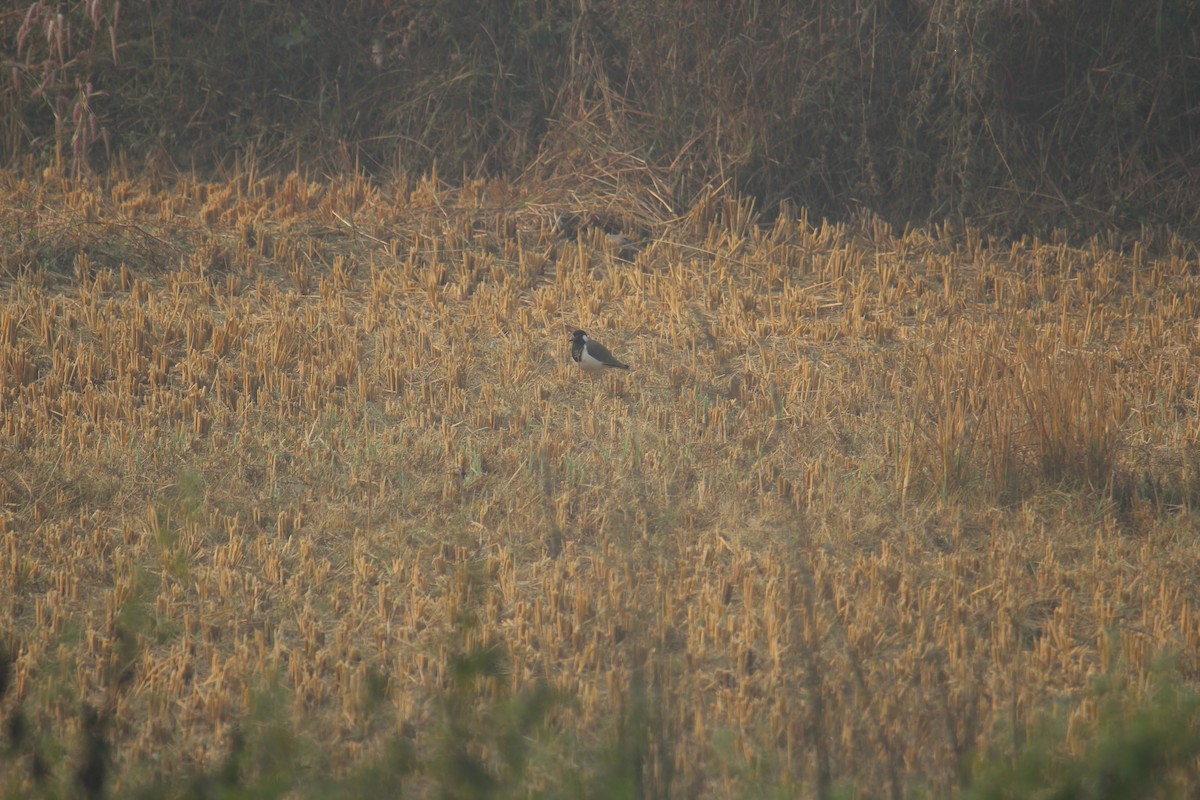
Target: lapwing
x=592, y=356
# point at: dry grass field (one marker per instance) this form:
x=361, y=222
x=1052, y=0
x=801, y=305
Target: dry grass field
x=308, y=456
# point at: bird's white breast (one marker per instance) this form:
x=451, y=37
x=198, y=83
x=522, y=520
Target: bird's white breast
x=588, y=363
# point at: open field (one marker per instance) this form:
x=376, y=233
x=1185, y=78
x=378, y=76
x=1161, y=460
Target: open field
x=286, y=452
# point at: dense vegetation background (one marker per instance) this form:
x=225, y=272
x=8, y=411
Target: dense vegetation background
x=1016, y=115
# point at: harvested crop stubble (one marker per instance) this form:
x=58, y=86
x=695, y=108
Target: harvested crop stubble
x=866, y=502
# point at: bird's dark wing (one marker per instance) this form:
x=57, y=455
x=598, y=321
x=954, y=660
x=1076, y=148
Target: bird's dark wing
x=601, y=354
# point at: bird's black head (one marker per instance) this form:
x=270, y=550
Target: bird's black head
x=578, y=336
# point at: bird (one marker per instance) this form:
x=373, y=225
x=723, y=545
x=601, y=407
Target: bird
x=592, y=356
